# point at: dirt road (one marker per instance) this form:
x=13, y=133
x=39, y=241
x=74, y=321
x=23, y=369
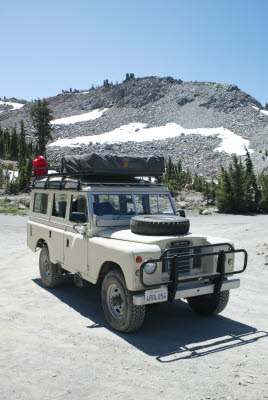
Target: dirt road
x=56, y=344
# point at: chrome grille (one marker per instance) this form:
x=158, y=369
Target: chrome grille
x=183, y=264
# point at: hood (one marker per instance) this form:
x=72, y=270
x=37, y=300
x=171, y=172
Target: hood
x=126, y=234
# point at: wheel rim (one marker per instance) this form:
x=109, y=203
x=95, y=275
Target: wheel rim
x=45, y=267
x=115, y=301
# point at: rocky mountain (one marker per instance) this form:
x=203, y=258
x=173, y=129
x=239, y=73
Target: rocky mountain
x=201, y=123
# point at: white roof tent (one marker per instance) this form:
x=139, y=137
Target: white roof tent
x=96, y=169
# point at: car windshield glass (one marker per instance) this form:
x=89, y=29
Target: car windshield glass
x=153, y=204
x=113, y=204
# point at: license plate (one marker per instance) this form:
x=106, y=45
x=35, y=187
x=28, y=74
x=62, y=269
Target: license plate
x=156, y=295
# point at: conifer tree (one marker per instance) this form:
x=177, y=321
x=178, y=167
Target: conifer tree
x=224, y=193
x=2, y=177
x=188, y=178
x=6, y=141
x=22, y=141
x=2, y=145
x=14, y=144
x=252, y=192
x=263, y=201
x=42, y=116
x=22, y=178
x=238, y=187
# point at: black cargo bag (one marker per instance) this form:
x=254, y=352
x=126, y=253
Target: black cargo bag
x=95, y=164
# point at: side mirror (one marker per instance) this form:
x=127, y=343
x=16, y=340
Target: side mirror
x=181, y=213
x=78, y=218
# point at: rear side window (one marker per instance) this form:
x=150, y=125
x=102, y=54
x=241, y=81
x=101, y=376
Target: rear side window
x=79, y=204
x=59, y=205
x=40, y=203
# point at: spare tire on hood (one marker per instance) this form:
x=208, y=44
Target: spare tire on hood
x=159, y=225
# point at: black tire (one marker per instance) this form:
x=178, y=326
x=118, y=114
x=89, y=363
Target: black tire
x=159, y=225
x=117, y=303
x=209, y=304
x=51, y=274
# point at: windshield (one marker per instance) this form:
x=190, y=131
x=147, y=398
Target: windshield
x=153, y=204
x=123, y=204
x=113, y=204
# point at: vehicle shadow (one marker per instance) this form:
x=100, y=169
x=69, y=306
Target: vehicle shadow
x=171, y=331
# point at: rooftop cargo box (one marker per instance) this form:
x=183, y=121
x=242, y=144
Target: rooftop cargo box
x=94, y=164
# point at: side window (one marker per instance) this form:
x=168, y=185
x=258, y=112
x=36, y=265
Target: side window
x=40, y=203
x=79, y=204
x=59, y=205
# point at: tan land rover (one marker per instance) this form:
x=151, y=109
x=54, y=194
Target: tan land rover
x=95, y=219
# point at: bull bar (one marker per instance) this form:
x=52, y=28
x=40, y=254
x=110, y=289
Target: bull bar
x=218, y=278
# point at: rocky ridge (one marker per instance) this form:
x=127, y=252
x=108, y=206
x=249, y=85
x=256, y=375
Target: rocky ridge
x=156, y=102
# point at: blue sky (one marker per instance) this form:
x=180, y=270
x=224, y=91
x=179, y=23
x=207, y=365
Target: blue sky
x=47, y=46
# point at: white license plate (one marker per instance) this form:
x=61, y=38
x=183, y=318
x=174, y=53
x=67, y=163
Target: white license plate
x=156, y=295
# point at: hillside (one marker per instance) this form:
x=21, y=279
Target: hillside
x=201, y=123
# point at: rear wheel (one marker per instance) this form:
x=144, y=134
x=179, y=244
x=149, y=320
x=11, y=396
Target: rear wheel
x=209, y=304
x=117, y=303
x=51, y=274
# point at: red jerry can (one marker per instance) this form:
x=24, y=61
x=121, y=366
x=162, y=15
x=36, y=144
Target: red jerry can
x=40, y=165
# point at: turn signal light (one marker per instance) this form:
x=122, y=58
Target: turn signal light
x=138, y=259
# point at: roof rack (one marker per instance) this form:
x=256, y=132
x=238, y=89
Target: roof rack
x=96, y=169
x=71, y=181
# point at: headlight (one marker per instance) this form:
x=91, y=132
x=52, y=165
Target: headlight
x=150, y=268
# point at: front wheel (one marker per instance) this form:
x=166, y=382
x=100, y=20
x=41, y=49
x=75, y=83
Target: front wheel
x=117, y=303
x=209, y=304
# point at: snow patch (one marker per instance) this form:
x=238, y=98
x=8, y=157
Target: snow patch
x=13, y=174
x=16, y=106
x=138, y=132
x=79, y=118
x=265, y=112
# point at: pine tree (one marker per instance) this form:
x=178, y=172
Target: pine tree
x=224, y=196
x=206, y=191
x=2, y=177
x=22, y=178
x=14, y=144
x=263, y=201
x=29, y=170
x=7, y=141
x=252, y=193
x=129, y=77
x=188, y=178
x=41, y=116
x=2, y=145
x=238, y=185
x=22, y=141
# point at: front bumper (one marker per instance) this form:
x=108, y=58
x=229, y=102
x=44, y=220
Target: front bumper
x=192, y=290
x=188, y=285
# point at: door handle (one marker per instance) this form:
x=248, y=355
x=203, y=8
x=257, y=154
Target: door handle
x=67, y=243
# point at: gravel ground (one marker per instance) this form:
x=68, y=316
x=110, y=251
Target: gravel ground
x=56, y=344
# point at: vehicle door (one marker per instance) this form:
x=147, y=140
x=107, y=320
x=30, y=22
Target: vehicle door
x=57, y=226
x=75, y=241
